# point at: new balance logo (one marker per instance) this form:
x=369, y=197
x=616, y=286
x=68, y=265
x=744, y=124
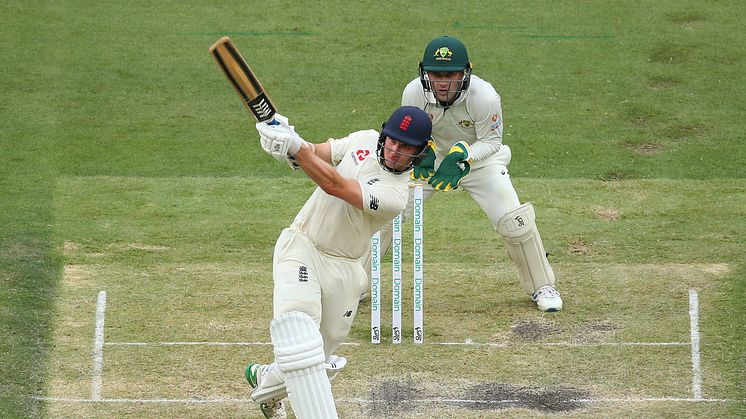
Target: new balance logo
x=302, y=274
x=373, y=202
x=348, y=313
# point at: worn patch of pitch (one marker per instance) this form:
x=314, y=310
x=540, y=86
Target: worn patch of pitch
x=393, y=398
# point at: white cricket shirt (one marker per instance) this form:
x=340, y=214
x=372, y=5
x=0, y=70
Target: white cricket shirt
x=339, y=229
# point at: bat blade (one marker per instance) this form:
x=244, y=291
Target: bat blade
x=242, y=78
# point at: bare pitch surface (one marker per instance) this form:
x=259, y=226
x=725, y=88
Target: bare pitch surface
x=166, y=295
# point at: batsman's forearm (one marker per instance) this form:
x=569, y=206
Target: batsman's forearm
x=327, y=177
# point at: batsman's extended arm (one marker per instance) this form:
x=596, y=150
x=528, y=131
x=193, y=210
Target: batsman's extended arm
x=281, y=141
x=315, y=160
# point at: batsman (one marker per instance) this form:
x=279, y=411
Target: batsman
x=362, y=184
x=467, y=152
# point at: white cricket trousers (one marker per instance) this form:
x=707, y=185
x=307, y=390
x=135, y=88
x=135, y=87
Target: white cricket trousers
x=327, y=288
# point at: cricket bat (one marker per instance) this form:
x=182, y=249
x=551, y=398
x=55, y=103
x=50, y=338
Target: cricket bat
x=243, y=79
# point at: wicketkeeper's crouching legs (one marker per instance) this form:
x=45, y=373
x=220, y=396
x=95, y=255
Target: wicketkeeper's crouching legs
x=517, y=228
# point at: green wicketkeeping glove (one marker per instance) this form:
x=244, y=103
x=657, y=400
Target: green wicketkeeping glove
x=454, y=167
x=426, y=168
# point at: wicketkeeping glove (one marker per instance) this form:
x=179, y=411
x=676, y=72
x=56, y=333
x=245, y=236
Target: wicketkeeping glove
x=426, y=168
x=454, y=167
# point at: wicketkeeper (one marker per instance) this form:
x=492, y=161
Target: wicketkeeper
x=468, y=153
x=318, y=276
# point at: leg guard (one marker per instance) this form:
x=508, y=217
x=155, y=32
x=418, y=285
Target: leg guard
x=299, y=352
x=525, y=248
x=270, y=381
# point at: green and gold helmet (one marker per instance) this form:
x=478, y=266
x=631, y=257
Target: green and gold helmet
x=445, y=54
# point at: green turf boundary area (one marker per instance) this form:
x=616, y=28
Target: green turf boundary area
x=29, y=273
x=184, y=264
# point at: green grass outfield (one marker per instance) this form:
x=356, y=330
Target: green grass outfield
x=128, y=166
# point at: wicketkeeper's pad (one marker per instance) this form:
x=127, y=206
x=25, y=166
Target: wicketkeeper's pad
x=525, y=248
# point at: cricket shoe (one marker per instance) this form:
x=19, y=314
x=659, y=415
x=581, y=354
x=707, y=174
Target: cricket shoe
x=272, y=408
x=548, y=299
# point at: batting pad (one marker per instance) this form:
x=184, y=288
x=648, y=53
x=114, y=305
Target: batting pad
x=299, y=352
x=525, y=248
x=272, y=384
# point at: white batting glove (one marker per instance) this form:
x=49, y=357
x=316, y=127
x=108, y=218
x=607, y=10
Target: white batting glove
x=278, y=140
x=283, y=120
x=267, y=142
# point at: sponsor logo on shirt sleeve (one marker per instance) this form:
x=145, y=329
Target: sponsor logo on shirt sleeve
x=358, y=156
x=496, y=121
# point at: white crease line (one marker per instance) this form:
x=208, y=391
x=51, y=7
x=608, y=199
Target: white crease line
x=487, y=344
x=470, y=343
x=619, y=344
x=564, y=344
x=99, y=343
x=188, y=343
x=200, y=344
x=98, y=347
x=694, y=327
x=366, y=401
x=156, y=401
